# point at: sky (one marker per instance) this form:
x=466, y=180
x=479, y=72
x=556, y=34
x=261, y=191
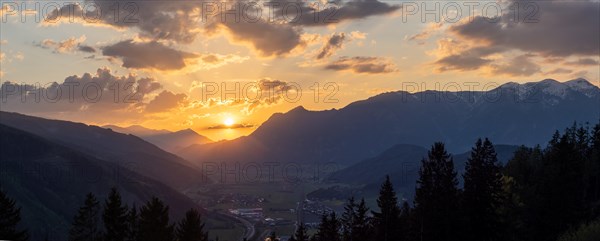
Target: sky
x=223, y=68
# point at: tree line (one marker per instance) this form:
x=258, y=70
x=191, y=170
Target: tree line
x=544, y=194
x=120, y=223
x=113, y=221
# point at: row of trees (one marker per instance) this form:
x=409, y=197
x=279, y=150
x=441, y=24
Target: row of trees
x=117, y=222
x=113, y=221
x=539, y=195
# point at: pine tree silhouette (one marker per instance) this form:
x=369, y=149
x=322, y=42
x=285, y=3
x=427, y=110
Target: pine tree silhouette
x=437, y=198
x=559, y=188
x=132, y=224
x=85, y=225
x=348, y=219
x=10, y=216
x=594, y=170
x=405, y=222
x=553, y=190
x=362, y=229
x=191, y=227
x=328, y=228
x=386, y=221
x=115, y=218
x=483, y=193
x=154, y=222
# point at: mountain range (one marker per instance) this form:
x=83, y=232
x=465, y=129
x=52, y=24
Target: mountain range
x=136, y=130
x=49, y=181
x=166, y=140
x=125, y=150
x=511, y=114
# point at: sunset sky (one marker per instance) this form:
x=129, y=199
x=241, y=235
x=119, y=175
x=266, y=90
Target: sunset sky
x=168, y=56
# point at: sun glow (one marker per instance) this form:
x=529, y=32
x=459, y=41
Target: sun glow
x=228, y=122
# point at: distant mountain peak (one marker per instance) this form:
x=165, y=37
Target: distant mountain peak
x=136, y=130
x=509, y=85
x=554, y=88
x=187, y=130
x=298, y=109
x=549, y=81
x=580, y=84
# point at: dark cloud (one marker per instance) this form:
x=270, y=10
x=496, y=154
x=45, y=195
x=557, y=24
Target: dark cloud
x=270, y=92
x=181, y=21
x=333, y=43
x=275, y=86
x=148, y=55
x=559, y=28
x=458, y=56
x=87, y=49
x=166, y=101
x=518, y=66
x=266, y=92
x=467, y=59
x=268, y=39
x=583, y=62
x=96, y=94
x=158, y=20
x=361, y=64
x=461, y=62
x=279, y=39
x=333, y=13
x=364, y=8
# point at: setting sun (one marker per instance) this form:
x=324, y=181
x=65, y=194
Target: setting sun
x=228, y=122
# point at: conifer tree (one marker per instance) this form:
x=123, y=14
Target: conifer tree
x=328, y=228
x=348, y=219
x=10, y=216
x=386, y=221
x=405, y=222
x=437, y=198
x=115, y=217
x=191, y=227
x=362, y=229
x=154, y=222
x=483, y=193
x=592, y=172
x=86, y=223
x=132, y=224
x=560, y=188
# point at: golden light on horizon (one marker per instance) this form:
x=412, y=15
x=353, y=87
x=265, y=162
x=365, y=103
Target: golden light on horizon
x=229, y=121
